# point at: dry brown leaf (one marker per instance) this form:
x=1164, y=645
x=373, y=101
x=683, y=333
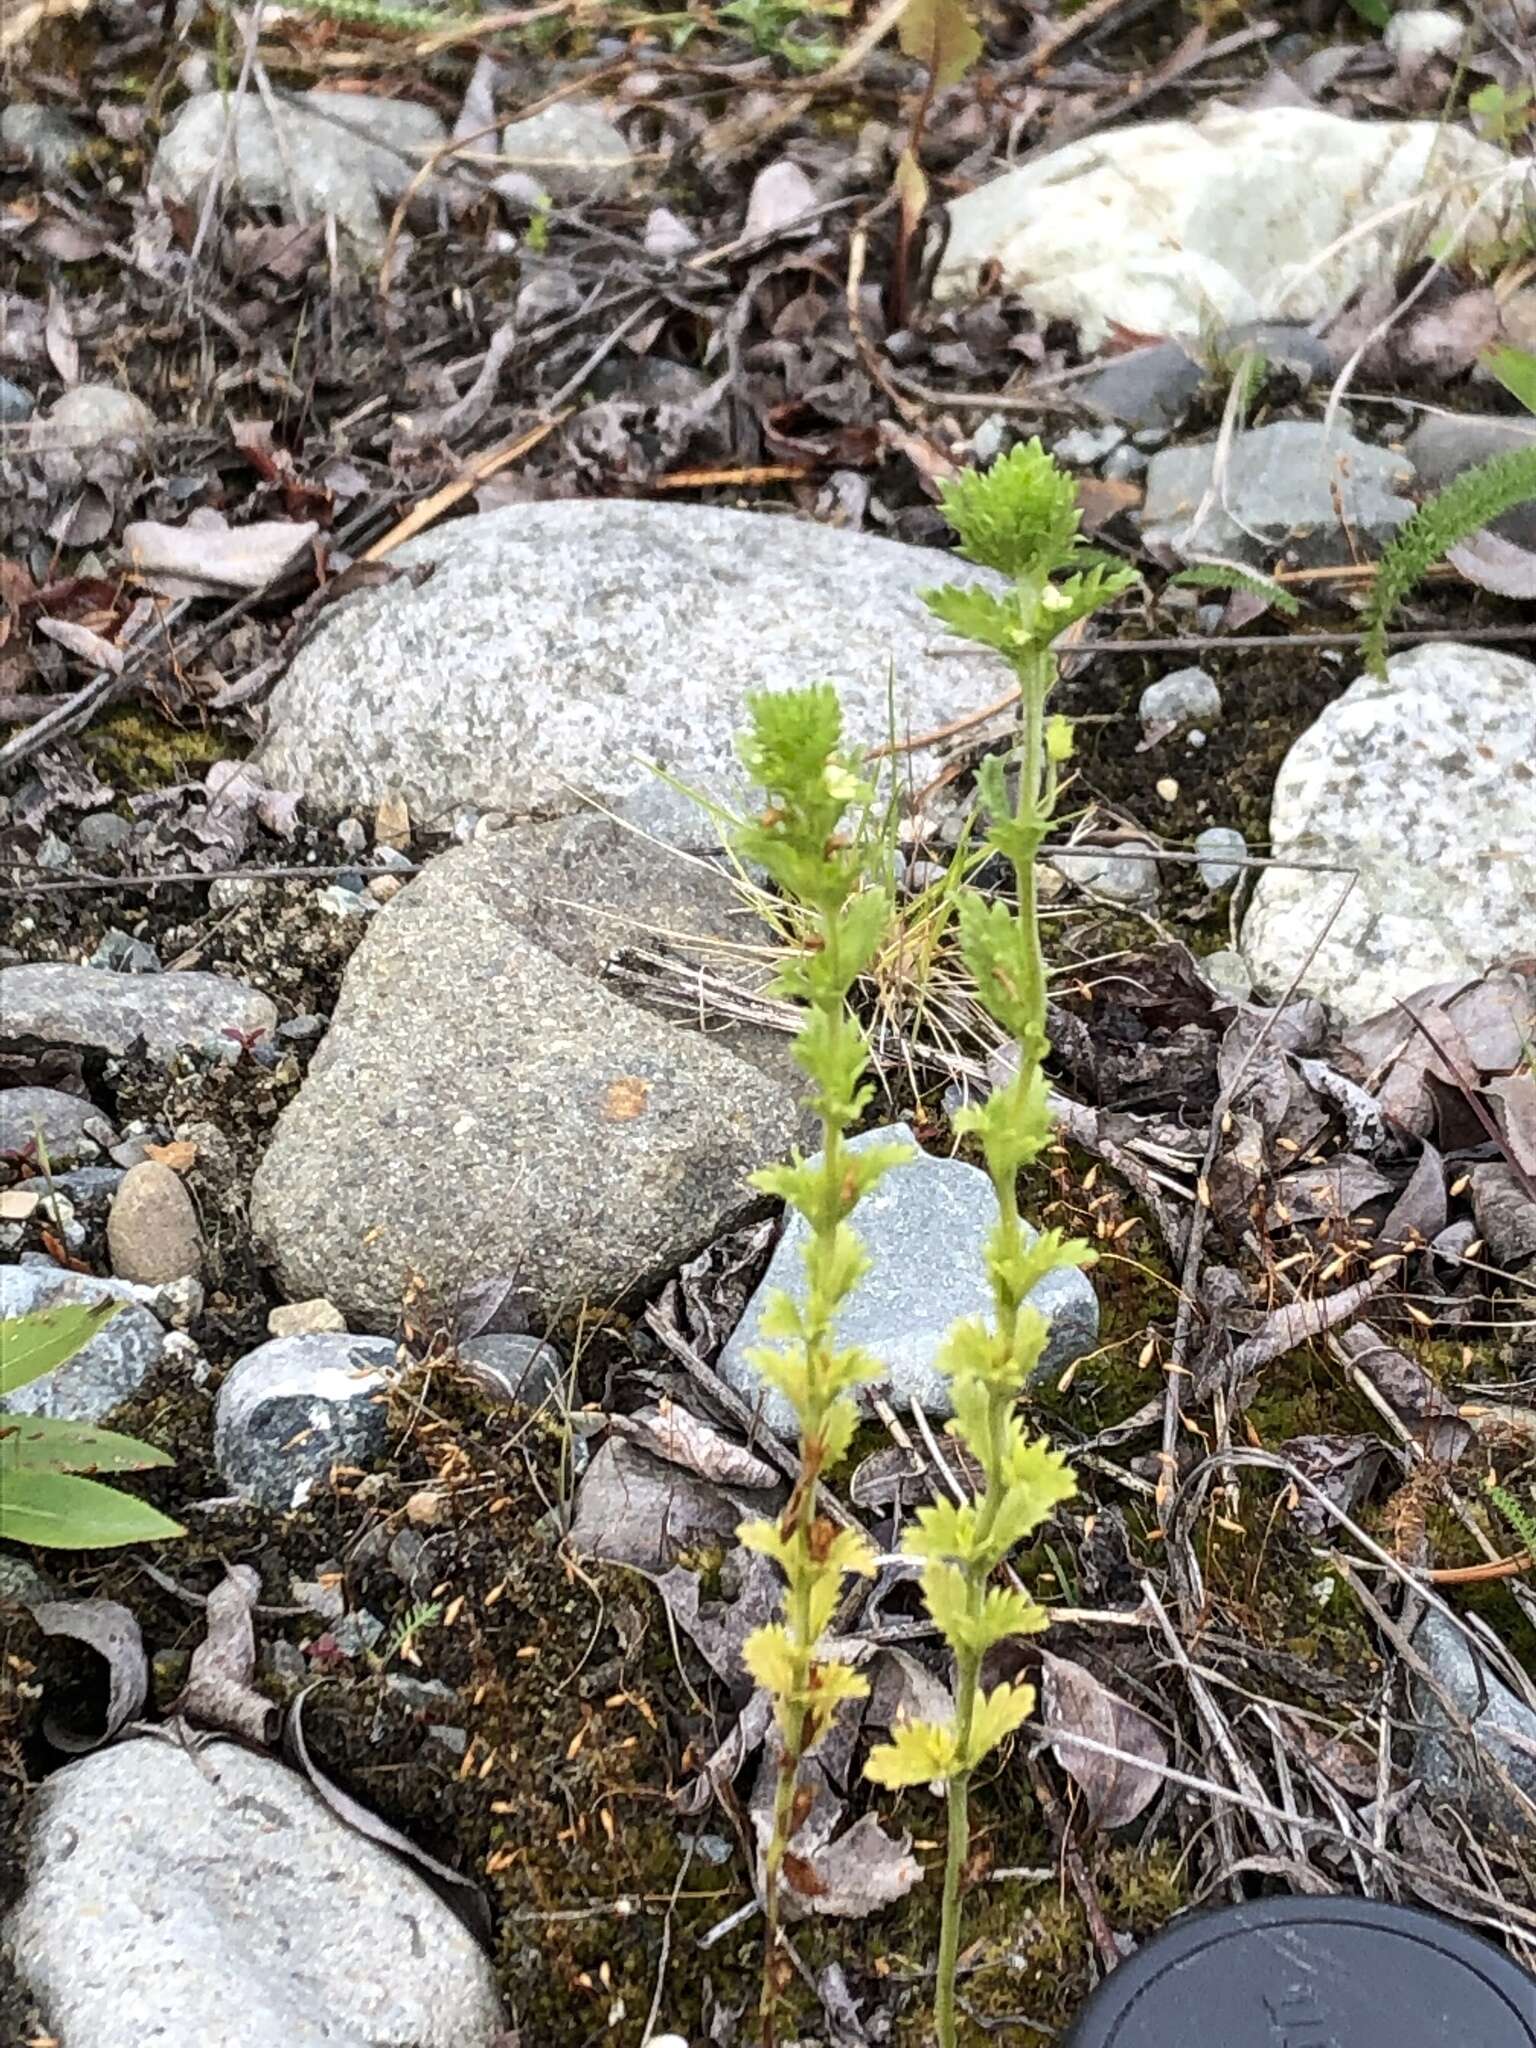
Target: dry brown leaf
x=113, y=1633
x=219, y=1692
x=1074, y=1702
x=177, y=1153
x=864, y=1870
x=1494, y=563
x=215, y=561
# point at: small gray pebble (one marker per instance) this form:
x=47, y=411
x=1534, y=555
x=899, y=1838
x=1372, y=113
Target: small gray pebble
x=125, y=955
x=1084, y=445
x=1222, y=852
x=101, y=833
x=1187, y=697
x=352, y=834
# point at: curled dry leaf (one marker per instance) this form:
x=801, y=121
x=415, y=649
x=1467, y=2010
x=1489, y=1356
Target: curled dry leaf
x=682, y=1439
x=82, y=641
x=1418, y=1215
x=218, y=1692
x=1298, y=1320
x=864, y=1870
x=1408, y=1391
x=1494, y=563
x=112, y=1632
x=1342, y=1468
x=1074, y=1702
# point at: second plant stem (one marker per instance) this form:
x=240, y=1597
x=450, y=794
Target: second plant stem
x=1036, y=803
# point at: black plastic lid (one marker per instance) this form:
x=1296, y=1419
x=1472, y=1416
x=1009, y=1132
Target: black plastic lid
x=1313, y=1973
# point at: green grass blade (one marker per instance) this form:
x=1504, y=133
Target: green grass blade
x=49, y=1443
x=38, y=1343
x=57, y=1511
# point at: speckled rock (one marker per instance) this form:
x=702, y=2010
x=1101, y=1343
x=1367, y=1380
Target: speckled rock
x=480, y=1108
x=518, y=1370
x=306, y=1319
x=294, y=1407
x=57, y=1003
x=211, y=1896
x=74, y=1131
x=1165, y=227
x=923, y=1227
x=104, y=1372
x=1281, y=495
x=1186, y=697
x=571, y=149
x=1427, y=782
x=561, y=648
x=1504, y=1731
x=340, y=152
x=152, y=1232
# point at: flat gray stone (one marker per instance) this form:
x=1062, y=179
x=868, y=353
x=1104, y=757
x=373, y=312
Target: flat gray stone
x=560, y=649
x=1442, y=445
x=1426, y=782
x=73, y=1129
x=1150, y=387
x=1281, y=494
x=103, y=1373
x=340, y=153
x=923, y=1228
x=87, y=1189
x=571, y=149
x=481, y=1109
x=57, y=1003
x=1504, y=1729
x=214, y=1897
x=294, y=1407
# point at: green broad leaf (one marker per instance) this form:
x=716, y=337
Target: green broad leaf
x=41, y=1342
x=57, y=1511
x=1374, y=13
x=1515, y=369
x=940, y=34
x=50, y=1443
x=975, y=614
x=918, y=1753
x=769, y=1657
x=998, y=1713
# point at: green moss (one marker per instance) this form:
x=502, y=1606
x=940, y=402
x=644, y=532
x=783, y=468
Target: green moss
x=137, y=748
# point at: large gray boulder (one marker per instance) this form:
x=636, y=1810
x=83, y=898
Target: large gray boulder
x=1176, y=227
x=562, y=649
x=209, y=1895
x=923, y=1227
x=1425, y=784
x=483, y=1108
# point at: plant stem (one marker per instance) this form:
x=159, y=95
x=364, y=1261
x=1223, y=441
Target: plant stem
x=799, y=1515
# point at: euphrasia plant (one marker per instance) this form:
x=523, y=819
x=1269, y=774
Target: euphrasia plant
x=1019, y=518
x=792, y=753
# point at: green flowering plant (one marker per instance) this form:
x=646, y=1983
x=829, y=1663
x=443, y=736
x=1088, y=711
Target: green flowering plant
x=1020, y=518
x=792, y=751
